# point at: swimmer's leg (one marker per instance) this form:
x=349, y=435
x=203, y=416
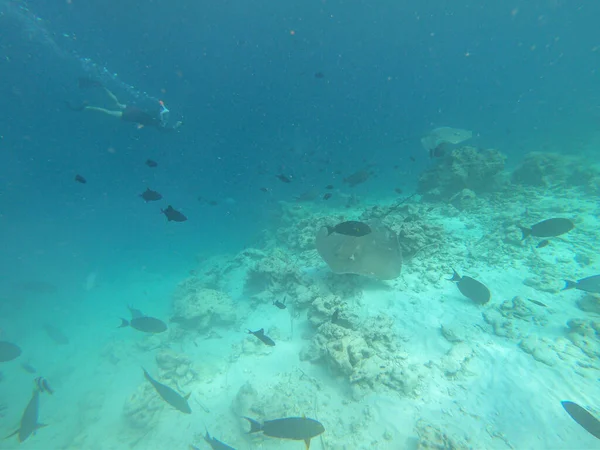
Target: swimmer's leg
x=109, y=112
x=114, y=99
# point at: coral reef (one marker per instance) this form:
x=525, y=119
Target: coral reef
x=552, y=170
x=367, y=355
x=433, y=438
x=464, y=168
x=142, y=407
x=197, y=308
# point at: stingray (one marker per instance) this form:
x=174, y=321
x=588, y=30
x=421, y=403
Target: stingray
x=377, y=254
x=444, y=135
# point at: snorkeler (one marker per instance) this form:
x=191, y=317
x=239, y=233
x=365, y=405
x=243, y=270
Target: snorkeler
x=128, y=113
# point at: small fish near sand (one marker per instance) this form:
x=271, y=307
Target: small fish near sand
x=43, y=386
x=280, y=305
x=350, y=228
x=589, y=284
x=145, y=324
x=56, y=334
x=169, y=395
x=260, y=334
x=284, y=179
x=9, y=351
x=27, y=367
x=327, y=196
x=583, y=417
x=150, y=196
x=357, y=178
x=543, y=243
x=29, y=419
x=548, y=228
x=173, y=215
x=215, y=444
x=535, y=302
x=471, y=288
x=293, y=428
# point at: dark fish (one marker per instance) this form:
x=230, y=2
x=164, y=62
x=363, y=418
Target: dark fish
x=150, y=196
x=264, y=189
x=327, y=196
x=412, y=158
x=215, y=444
x=329, y=187
x=8, y=351
x=350, y=228
x=88, y=83
x=169, y=395
x=583, y=417
x=535, y=302
x=213, y=202
x=319, y=75
x=548, y=228
x=29, y=419
x=55, y=334
x=589, y=284
x=308, y=196
x=279, y=304
x=543, y=243
x=260, y=334
x=398, y=191
x=335, y=316
x=80, y=179
x=145, y=324
x=294, y=428
x=43, y=386
x=135, y=313
x=27, y=367
x=472, y=288
x=357, y=178
x=151, y=163
x=283, y=178
x=173, y=215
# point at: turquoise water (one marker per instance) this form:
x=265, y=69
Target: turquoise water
x=281, y=104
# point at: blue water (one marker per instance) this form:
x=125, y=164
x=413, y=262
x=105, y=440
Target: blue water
x=241, y=76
